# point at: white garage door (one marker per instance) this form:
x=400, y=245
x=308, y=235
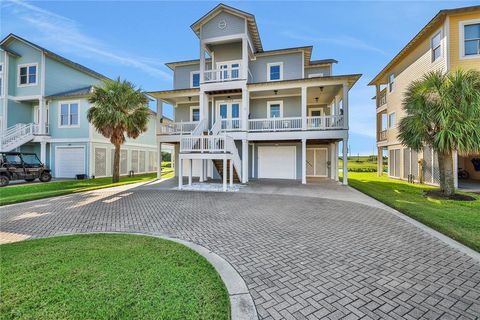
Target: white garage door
x=197, y=165
x=277, y=162
x=69, y=161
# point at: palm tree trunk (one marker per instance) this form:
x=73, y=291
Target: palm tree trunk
x=116, y=164
x=447, y=184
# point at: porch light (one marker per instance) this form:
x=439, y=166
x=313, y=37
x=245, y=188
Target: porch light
x=189, y=98
x=321, y=89
x=316, y=99
x=275, y=91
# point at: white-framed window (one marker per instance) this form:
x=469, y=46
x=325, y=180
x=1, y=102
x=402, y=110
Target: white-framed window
x=391, y=82
x=391, y=120
x=194, y=113
x=275, y=109
x=470, y=39
x=27, y=74
x=436, y=46
x=315, y=75
x=1, y=79
x=68, y=114
x=275, y=71
x=194, y=79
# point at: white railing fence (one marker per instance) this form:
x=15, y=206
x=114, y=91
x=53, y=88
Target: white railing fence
x=178, y=127
x=224, y=74
x=15, y=135
x=200, y=128
x=275, y=124
x=232, y=148
x=203, y=144
x=217, y=126
x=231, y=124
x=325, y=122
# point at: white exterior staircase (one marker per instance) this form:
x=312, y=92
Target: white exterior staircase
x=17, y=135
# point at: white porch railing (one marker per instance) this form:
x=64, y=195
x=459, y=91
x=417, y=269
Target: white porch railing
x=224, y=74
x=203, y=144
x=200, y=128
x=232, y=148
x=177, y=127
x=325, y=122
x=231, y=124
x=275, y=124
x=217, y=126
x=16, y=135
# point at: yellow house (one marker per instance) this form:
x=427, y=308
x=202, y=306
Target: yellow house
x=451, y=40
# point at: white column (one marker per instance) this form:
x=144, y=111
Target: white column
x=304, y=161
x=345, y=161
x=190, y=171
x=244, y=58
x=380, y=162
x=203, y=105
x=159, y=160
x=245, y=108
x=43, y=152
x=455, y=169
x=332, y=161
x=336, y=161
x=176, y=155
x=244, y=161
x=345, y=105
x=180, y=173
x=202, y=62
x=231, y=173
x=201, y=178
x=159, y=115
x=304, y=107
x=224, y=175
x=41, y=116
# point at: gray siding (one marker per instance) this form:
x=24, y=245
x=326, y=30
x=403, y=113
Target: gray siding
x=324, y=70
x=227, y=52
x=234, y=25
x=182, y=112
x=181, y=76
x=292, y=66
x=291, y=107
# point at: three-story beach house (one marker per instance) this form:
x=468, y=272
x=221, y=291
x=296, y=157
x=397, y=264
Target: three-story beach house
x=450, y=41
x=43, y=109
x=242, y=112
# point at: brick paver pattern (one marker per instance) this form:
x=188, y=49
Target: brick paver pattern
x=302, y=258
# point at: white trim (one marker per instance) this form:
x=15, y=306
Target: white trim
x=277, y=96
x=269, y=105
x=24, y=98
x=391, y=88
x=229, y=108
x=313, y=75
x=272, y=64
x=440, y=45
x=191, y=78
x=461, y=39
x=64, y=147
x=322, y=111
x=191, y=112
x=70, y=102
x=27, y=65
x=2, y=87
x=447, y=43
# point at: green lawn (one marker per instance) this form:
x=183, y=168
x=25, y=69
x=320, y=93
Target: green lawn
x=33, y=191
x=459, y=220
x=361, y=163
x=108, y=276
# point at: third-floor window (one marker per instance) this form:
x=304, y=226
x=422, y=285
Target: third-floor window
x=436, y=46
x=472, y=39
x=27, y=74
x=195, y=79
x=275, y=71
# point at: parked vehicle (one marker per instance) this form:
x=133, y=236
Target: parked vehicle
x=22, y=166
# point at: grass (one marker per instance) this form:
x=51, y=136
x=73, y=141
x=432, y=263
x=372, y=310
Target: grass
x=360, y=163
x=108, y=276
x=459, y=220
x=26, y=192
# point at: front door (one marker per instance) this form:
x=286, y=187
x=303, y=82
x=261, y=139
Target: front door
x=229, y=112
x=317, y=165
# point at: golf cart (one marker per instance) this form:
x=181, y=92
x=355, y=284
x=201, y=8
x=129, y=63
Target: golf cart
x=22, y=166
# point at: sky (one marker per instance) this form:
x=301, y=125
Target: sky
x=134, y=39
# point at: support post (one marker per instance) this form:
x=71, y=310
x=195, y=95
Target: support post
x=190, y=172
x=336, y=161
x=159, y=160
x=345, y=105
x=304, y=161
x=43, y=152
x=245, y=108
x=202, y=167
x=380, y=162
x=224, y=175
x=304, y=107
x=231, y=173
x=41, y=117
x=180, y=173
x=332, y=161
x=244, y=161
x=345, y=162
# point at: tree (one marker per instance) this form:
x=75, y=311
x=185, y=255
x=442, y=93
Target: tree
x=118, y=109
x=443, y=111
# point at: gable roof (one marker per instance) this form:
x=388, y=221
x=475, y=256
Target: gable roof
x=251, y=23
x=74, y=65
x=430, y=26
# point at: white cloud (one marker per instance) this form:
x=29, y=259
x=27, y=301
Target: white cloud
x=62, y=32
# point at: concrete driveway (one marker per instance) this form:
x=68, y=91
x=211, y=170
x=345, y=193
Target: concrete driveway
x=301, y=256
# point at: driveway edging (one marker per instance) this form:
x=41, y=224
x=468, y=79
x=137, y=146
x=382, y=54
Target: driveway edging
x=242, y=306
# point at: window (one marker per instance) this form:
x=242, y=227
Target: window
x=391, y=82
x=194, y=113
x=436, y=46
x=391, y=120
x=195, y=79
x=27, y=74
x=394, y=163
x=1, y=79
x=275, y=109
x=471, y=39
x=275, y=71
x=69, y=114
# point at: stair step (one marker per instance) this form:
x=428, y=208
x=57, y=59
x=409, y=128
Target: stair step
x=219, y=166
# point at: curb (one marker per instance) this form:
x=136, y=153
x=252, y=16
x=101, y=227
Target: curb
x=241, y=302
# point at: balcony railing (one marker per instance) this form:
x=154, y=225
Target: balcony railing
x=203, y=144
x=382, y=98
x=232, y=124
x=382, y=135
x=325, y=122
x=177, y=127
x=224, y=74
x=275, y=124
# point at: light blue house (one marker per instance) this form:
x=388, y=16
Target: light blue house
x=43, y=109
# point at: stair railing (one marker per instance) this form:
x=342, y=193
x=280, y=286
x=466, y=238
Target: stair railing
x=232, y=149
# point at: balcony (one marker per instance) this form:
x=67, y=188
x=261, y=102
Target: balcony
x=231, y=73
x=177, y=127
x=382, y=135
x=382, y=98
x=330, y=122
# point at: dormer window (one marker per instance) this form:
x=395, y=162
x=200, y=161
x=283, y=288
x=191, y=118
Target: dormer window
x=195, y=79
x=27, y=75
x=275, y=71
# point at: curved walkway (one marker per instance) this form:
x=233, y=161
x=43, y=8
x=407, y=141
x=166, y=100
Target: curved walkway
x=301, y=257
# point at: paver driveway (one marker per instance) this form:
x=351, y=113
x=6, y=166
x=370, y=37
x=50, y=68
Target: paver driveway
x=301, y=257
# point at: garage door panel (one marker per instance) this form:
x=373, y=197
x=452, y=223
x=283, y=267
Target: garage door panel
x=277, y=162
x=197, y=165
x=69, y=161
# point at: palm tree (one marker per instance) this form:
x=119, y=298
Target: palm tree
x=118, y=109
x=443, y=111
